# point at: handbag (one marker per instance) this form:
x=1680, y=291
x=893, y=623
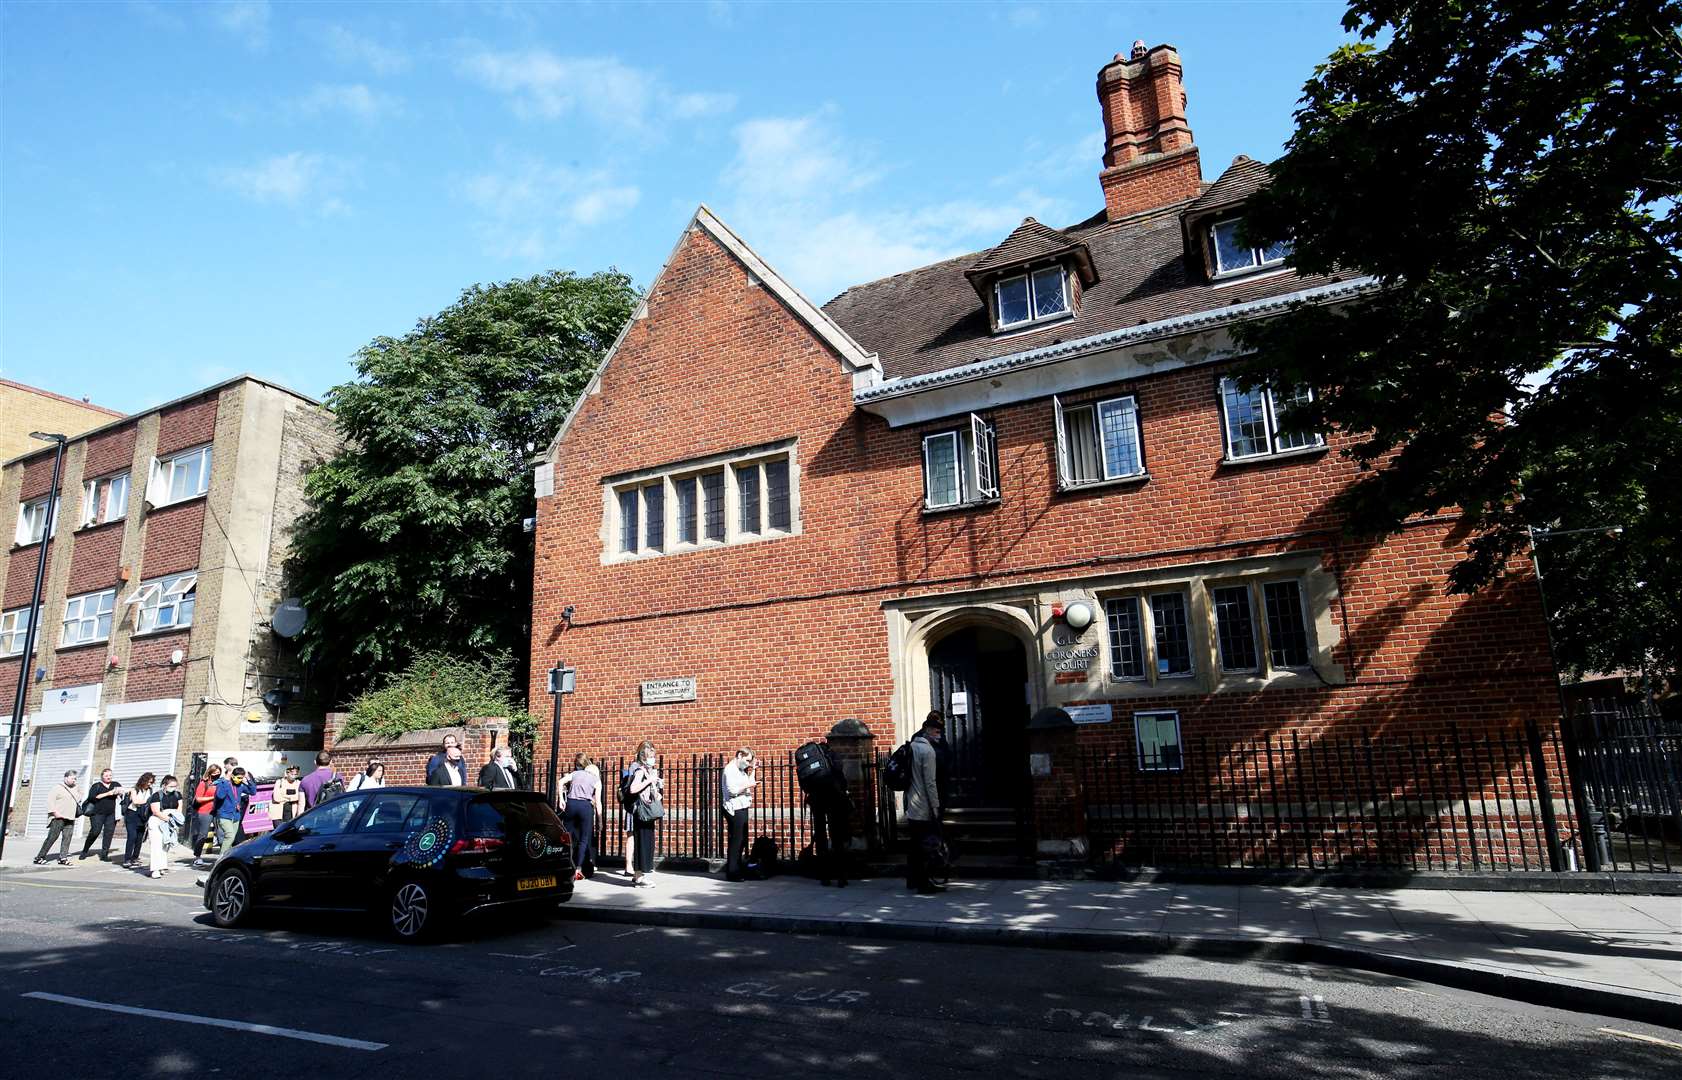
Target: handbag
x=648, y=808
x=87, y=808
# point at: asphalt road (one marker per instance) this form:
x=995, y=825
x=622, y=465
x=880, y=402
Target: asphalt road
x=548, y=998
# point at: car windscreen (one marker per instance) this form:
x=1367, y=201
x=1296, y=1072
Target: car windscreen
x=508, y=815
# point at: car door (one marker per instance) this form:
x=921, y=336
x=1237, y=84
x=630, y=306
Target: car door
x=306, y=858
x=366, y=850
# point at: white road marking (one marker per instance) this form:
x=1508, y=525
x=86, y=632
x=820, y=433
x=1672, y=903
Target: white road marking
x=106, y=888
x=1314, y=1008
x=210, y=1021
x=1639, y=1037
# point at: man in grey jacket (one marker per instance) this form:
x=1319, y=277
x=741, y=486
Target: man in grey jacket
x=922, y=804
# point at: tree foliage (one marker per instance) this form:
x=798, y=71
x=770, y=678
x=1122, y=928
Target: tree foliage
x=438, y=690
x=1509, y=173
x=413, y=541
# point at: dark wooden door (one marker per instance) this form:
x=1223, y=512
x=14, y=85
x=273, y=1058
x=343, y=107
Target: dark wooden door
x=954, y=690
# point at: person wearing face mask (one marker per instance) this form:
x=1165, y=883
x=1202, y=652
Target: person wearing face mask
x=646, y=789
x=163, y=822
x=450, y=772
x=499, y=770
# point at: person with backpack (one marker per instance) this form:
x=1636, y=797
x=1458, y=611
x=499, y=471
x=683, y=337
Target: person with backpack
x=825, y=787
x=371, y=777
x=322, y=778
x=736, y=784
x=642, y=790
x=135, y=814
x=922, y=805
x=286, y=801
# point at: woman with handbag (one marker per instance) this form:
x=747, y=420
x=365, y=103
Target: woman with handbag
x=286, y=801
x=646, y=809
x=135, y=815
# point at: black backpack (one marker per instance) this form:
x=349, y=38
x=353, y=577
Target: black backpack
x=331, y=790
x=896, y=774
x=627, y=800
x=812, y=769
x=762, y=857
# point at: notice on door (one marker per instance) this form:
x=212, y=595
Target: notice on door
x=960, y=703
x=667, y=691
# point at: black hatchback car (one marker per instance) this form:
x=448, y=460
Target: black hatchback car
x=415, y=857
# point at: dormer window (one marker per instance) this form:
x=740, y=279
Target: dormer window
x=1234, y=256
x=1044, y=294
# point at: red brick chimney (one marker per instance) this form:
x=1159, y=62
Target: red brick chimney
x=1149, y=158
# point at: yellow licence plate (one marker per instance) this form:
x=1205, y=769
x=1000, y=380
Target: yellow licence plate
x=526, y=884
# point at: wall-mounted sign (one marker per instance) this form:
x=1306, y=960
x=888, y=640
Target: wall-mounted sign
x=960, y=703
x=666, y=691
x=1089, y=714
x=1072, y=657
x=273, y=727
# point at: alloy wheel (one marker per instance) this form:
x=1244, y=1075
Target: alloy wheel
x=409, y=909
x=231, y=898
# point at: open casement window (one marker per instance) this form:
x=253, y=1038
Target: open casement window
x=960, y=467
x=32, y=521
x=105, y=499
x=178, y=477
x=1098, y=441
x=1255, y=423
x=165, y=604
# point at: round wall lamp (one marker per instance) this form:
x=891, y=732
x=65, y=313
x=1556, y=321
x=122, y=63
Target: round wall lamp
x=1078, y=615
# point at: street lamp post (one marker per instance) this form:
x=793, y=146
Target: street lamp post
x=562, y=679
x=27, y=660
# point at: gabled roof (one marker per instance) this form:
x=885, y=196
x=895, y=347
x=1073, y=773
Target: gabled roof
x=928, y=319
x=862, y=363
x=1243, y=178
x=1031, y=242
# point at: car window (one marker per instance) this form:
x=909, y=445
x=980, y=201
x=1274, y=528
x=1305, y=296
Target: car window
x=390, y=812
x=508, y=815
x=332, y=818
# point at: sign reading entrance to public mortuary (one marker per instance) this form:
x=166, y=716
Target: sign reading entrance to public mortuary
x=667, y=691
x=960, y=703
x=1089, y=714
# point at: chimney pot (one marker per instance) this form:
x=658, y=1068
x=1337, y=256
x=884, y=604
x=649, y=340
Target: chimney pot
x=1139, y=49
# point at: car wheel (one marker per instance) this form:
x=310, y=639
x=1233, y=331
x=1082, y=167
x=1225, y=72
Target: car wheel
x=412, y=913
x=230, y=899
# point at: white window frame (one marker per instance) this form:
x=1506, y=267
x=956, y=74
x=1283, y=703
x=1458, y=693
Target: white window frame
x=84, y=611
x=105, y=499
x=729, y=468
x=13, y=629
x=975, y=461
x=28, y=511
x=1065, y=464
x=160, y=479
x=1179, y=740
x=1029, y=279
x=152, y=599
x=1270, y=419
x=1258, y=256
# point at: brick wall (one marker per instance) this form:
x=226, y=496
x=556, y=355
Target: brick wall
x=405, y=756
x=786, y=636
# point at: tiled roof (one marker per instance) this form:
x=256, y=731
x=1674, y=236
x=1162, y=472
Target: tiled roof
x=1241, y=180
x=1030, y=240
x=929, y=319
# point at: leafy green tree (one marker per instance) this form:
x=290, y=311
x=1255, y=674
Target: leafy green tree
x=1509, y=173
x=438, y=690
x=413, y=541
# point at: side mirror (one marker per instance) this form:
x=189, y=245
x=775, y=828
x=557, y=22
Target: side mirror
x=291, y=834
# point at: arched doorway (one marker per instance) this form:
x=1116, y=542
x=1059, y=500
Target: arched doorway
x=978, y=678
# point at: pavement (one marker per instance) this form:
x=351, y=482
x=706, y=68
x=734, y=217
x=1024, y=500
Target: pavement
x=105, y=975
x=1617, y=955
x=1621, y=955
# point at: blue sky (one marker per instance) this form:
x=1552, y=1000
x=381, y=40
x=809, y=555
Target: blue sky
x=188, y=191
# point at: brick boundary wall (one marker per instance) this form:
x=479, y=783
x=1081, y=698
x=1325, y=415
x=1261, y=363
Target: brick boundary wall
x=405, y=756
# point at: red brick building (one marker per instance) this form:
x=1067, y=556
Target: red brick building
x=164, y=566
x=1011, y=480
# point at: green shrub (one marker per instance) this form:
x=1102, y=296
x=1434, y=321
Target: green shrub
x=438, y=690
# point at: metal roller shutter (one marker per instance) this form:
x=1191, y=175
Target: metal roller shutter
x=143, y=744
x=59, y=748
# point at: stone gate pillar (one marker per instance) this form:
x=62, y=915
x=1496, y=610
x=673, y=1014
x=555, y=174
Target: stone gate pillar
x=1059, y=802
x=855, y=747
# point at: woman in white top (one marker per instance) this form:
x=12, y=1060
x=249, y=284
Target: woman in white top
x=371, y=777
x=135, y=815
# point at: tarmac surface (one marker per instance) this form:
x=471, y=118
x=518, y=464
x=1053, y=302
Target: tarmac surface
x=107, y=974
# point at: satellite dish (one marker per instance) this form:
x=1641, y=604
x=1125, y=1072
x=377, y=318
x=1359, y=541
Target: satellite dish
x=289, y=617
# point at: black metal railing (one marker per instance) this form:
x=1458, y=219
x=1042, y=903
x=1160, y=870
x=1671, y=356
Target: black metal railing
x=1333, y=803
x=1626, y=760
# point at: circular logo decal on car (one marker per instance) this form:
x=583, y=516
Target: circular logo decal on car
x=536, y=845
x=429, y=845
